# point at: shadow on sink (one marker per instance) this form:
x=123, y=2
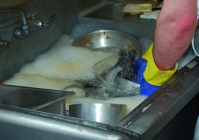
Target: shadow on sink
x=51, y=101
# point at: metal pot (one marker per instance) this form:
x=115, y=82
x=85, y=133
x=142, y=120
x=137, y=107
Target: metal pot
x=98, y=112
x=106, y=39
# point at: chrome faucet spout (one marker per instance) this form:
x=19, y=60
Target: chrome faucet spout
x=15, y=10
x=24, y=30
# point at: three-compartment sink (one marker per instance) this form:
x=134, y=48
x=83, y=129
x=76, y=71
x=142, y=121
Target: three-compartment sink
x=46, y=100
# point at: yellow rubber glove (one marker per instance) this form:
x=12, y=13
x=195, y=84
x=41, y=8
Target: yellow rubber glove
x=148, y=75
x=152, y=74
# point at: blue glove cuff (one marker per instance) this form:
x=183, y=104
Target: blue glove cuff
x=145, y=88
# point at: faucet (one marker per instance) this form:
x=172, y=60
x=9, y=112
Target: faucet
x=3, y=45
x=39, y=24
x=24, y=30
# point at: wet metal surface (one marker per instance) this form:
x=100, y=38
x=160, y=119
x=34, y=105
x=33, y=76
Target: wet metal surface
x=102, y=39
x=34, y=98
x=113, y=11
x=24, y=124
x=144, y=122
x=99, y=112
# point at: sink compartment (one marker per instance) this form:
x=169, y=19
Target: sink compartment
x=51, y=101
x=143, y=122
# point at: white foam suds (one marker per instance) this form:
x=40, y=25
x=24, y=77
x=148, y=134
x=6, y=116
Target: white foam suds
x=63, y=62
x=64, y=65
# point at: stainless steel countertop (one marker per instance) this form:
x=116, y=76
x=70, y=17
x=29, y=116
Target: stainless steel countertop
x=113, y=11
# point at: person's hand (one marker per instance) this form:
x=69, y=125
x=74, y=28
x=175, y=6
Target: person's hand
x=148, y=75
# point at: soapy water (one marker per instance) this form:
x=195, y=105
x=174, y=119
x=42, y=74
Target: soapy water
x=65, y=61
x=114, y=77
x=65, y=65
x=110, y=75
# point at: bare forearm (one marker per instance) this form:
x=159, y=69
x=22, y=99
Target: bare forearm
x=174, y=30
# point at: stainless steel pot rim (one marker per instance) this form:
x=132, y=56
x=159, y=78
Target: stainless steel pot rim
x=101, y=39
x=105, y=31
x=112, y=104
x=101, y=31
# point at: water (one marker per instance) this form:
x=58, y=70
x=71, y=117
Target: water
x=64, y=65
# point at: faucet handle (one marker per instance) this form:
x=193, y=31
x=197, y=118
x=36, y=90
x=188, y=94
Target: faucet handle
x=46, y=24
x=3, y=45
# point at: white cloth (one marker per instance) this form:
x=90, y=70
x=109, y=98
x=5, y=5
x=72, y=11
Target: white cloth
x=150, y=15
x=196, y=133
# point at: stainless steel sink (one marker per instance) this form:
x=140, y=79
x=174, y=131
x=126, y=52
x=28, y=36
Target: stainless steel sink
x=29, y=120
x=51, y=101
